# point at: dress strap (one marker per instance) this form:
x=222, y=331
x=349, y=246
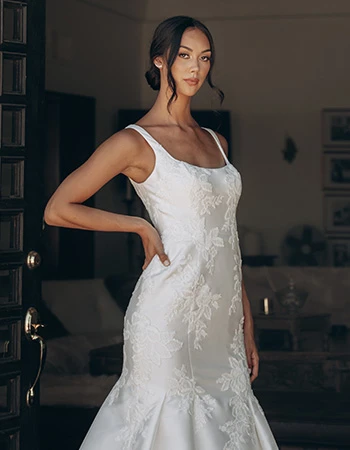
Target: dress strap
x=149, y=138
x=218, y=144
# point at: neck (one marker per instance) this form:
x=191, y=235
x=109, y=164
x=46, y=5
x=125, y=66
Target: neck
x=180, y=110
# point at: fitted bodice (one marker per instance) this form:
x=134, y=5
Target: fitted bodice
x=183, y=199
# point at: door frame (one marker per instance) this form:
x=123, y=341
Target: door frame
x=22, y=85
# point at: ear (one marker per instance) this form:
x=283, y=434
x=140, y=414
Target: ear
x=158, y=62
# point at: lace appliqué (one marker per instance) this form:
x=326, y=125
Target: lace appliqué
x=236, y=380
x=192, y=398
x=194, y=300
x=233, y=195
x=203, y=199
x=114, y=394
x=237, y=345
x=236, y=299
x=149, y=346
x=241, y=428
x=196, y=306
x=210, y=248
x=137, y=414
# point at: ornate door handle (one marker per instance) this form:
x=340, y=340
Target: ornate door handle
x=31, y=326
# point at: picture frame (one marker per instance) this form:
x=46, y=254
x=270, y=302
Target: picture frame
x=336, y=128
x=336, y=170
x=337, y=213
x=339, y=252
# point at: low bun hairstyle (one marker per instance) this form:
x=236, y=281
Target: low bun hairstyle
x=153, y=77
x=167, y=37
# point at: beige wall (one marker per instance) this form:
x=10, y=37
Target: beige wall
x=277, y=74
x=223, y=10
x=279, y=64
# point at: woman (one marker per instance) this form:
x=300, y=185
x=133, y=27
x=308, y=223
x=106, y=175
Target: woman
x=189, y=351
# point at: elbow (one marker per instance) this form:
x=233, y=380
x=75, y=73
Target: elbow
x=51, y=214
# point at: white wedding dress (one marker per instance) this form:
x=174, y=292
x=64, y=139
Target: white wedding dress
x=185, y=381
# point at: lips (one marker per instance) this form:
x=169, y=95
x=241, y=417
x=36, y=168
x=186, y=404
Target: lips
x=192, y=81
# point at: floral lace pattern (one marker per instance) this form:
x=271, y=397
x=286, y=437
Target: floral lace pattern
x=237, y=345
x=192, y=398
x=233, y=195
x=203, y=198
x=149, y=346
x=236, y=299
x=240, y=428
x=196, y=308
x=137, y=414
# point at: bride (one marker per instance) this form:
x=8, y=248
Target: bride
x=189, y=350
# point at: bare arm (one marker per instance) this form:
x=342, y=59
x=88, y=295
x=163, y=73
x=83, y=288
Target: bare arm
x=64, y=208
x=248, y=317
x=124, y=152
x=249, y=341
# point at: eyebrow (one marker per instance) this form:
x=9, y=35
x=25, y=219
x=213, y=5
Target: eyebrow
x=190, y=49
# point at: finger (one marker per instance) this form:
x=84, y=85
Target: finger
x=164, y=258
x=145, y=264
x=249, y=360
x=255, y=369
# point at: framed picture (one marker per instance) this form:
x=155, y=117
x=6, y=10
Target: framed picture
x=337, y=213
x=336, y=170
x=339, y=252
x=336, y=128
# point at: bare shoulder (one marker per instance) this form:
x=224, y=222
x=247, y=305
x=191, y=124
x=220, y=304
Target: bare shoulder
x=223, y=142
x=126, y=148
x=131, y=154
x=127, y=141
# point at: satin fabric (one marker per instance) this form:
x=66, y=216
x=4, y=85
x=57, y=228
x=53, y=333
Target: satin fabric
x=185, y=382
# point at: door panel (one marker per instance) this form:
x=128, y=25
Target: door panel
x=22, y=44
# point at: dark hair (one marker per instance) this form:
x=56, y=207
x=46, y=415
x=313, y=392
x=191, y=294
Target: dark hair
x=167, y=36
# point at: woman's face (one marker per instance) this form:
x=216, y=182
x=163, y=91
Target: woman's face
x=192, y=64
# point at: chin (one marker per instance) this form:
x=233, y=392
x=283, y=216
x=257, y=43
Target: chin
x=189, y=91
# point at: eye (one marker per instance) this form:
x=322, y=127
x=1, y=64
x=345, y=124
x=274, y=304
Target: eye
x=183, y=55
x=206, y=58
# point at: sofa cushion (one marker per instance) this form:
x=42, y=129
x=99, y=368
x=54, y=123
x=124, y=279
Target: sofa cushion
x=70, y=354
x=83, y=306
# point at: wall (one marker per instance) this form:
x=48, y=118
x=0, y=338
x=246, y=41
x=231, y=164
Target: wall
x=157, y=10
x=95, y=51
x=279, y=66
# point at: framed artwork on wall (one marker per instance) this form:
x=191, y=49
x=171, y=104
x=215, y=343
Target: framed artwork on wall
x=339, y=252
x=336, y=170
x=336, y=128
x=337, y=213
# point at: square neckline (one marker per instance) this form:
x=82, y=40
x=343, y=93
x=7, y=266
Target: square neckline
x=227, y=162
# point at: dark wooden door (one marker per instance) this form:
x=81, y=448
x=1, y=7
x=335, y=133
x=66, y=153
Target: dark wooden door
x=22, y=51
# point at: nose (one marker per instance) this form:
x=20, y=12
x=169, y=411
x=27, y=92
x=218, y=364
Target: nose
x=195, y=67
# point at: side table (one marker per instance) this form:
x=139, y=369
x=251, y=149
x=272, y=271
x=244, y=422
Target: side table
x=295, y=324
